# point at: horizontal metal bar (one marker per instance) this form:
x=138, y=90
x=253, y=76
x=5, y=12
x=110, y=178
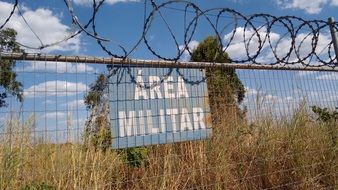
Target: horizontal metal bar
x=155, y=63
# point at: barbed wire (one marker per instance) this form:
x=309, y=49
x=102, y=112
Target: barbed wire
x=10, y=14
x=257, y=32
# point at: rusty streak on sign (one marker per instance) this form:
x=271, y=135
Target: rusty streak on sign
x=151, y=106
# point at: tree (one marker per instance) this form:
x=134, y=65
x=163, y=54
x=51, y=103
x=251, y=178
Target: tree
x=225, y=89
x=329, y=118
x=325, y=115
x=97, y=128
x=8, y=82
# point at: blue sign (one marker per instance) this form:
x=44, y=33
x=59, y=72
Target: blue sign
x=156, y=106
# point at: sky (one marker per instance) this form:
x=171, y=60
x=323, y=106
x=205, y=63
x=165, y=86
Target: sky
x=54, y=91
x=121, y=21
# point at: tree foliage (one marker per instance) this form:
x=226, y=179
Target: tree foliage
x=324, y=114
x=98, y=133
x=8, y=82
x=97, y=128
x=329, y=118
x=136, y=157
x=226, y=90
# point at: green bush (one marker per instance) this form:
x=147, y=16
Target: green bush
x=324, y=114
x=136, y=157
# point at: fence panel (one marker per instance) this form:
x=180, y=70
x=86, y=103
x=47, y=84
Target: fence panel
x=275, y=129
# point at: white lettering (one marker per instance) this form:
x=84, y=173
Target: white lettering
x=181, y=89
x=139, y=90
x=162, y=121
x=130, y=125
x=185, y=120
x=151, y=128
x=141, y=122
x=127, y=126
x=198, y=118
x=168, y=86
x=156, y=88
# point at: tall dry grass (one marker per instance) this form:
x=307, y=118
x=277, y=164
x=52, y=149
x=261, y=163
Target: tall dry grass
x=291, y=153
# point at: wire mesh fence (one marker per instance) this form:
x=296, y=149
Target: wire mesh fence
x=78, y=123
x=265, y=119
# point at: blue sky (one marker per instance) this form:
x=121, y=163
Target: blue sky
x=54, y=91
x=121, y=21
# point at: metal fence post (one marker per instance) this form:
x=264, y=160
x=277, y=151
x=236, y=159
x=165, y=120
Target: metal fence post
x=334, y=36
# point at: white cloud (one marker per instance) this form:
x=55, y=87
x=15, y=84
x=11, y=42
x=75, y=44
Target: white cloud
x=2, y=119
x=55, y=88
x=310, y=7
x=110, y=2
x=289, y=99
x=331, y=98
x=270, y=99
x=54, y=115
x=312, y=94
x=75, y=104
x=46, y=24
x=59, y=67
x=48, y=102
x=303, y=39
x=192, y=45
x=237, y=49
x=330, y=76
x=74, y=125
